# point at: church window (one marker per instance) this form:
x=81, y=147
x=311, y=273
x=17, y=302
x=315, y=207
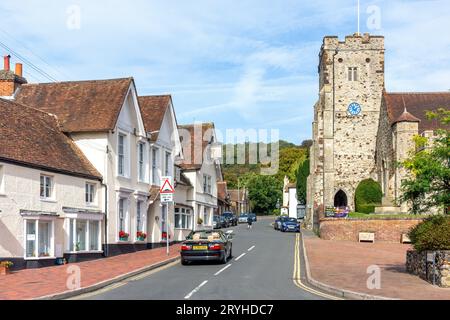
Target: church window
x=352, y=74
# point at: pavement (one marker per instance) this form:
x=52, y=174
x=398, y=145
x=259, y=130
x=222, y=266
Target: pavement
x=263, y=267
x=342, y=266
x=52, y=282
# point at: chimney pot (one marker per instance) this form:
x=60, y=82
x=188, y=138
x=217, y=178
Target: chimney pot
x=6, y=60
x=19, y=69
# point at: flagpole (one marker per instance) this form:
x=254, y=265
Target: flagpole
x=358, y=17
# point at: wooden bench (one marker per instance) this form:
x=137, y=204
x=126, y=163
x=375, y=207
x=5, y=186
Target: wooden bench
x=366, y=237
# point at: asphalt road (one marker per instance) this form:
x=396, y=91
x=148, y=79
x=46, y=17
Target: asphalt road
x=262, y=268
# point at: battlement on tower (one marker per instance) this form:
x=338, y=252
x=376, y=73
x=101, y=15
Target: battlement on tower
x=354, y=42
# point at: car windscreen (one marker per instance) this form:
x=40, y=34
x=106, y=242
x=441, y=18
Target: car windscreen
x=205, y=236
x=291, y=220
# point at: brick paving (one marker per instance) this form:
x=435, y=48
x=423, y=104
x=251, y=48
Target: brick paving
x=343, y=264
x=34, y=283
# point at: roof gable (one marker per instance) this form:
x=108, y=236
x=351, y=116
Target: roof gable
x=153, y=109
x=81, y=106
x=31, y=137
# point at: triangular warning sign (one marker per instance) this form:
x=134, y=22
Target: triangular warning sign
x=166, y=187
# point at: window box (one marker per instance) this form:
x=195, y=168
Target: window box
x=123, y=236
x=141, y=236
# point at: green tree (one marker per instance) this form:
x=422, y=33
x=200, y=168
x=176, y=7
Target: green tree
x=302, y=175
x=263, y=192
x=428, y=184
x=368, y=195
x=289, y=161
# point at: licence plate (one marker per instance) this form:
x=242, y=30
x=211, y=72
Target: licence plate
x=200, y=247
x=291, y=227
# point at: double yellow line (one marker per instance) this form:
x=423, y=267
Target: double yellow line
x=297, y=274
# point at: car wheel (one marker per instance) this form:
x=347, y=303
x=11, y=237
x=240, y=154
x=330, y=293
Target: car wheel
x=184, y=262
x=231, y=252
x=224, y=258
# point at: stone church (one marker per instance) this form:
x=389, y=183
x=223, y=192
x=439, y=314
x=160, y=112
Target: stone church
x=360, y=131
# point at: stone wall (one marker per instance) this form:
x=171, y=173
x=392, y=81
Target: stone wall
x=417, y=264
x=388, y=230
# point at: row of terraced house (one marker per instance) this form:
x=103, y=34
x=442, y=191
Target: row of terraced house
x=80, y=170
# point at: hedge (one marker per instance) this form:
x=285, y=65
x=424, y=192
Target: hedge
x=431, y=234
x=368, y=196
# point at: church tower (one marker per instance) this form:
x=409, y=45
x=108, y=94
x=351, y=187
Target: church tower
x=351, y=83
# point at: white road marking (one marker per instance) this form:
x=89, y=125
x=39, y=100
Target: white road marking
x=196, y=289
x=240, y=256
x=250, y=249
x=223, y=269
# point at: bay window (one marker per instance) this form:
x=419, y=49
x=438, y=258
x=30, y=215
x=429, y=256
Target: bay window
x=183, y=218
x=84, y=235
x=123, y=217
x=38, y=238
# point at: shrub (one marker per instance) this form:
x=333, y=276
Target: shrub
x=367, y=196
x=431, y=234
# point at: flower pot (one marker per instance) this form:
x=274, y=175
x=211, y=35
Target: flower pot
x=4, y=271
x=123, y=239
x=140, y=239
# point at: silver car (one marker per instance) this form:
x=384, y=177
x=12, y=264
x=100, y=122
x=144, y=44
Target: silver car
x=243, y=218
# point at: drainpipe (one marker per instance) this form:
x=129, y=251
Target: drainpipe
x=105, y=251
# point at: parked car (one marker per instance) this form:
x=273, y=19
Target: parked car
x=217, y=224
x=232, y=219
x=224, y=222
x=253, y=216
x=242, y=218
x=290, y=224
x=206, y=245
x=278, y=221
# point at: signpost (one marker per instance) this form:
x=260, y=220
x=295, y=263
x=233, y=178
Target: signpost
x=166, y=194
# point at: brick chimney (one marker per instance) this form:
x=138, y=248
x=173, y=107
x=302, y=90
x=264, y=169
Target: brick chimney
x=10, y=81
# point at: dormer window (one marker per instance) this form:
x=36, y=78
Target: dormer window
x=352, y=74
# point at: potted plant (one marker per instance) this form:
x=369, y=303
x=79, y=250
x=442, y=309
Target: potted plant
x=4, y=267
x=199, y=221
x=164, y=236
x=141, y=236
x=123, y=236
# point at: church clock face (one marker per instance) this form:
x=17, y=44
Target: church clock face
x=354, y=108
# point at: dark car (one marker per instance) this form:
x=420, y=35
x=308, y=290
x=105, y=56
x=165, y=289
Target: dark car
x=279, y=221
x=232, y=219
x=290, y=224
x=224, y=223
x=253, y=216
x=207, y=245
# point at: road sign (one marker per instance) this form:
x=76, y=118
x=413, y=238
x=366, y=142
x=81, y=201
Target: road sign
x=166, y=191
x=166, y=185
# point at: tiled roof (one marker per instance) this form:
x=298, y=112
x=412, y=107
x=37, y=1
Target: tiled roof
x=81, y=106
x=33, y=138
x=153, y=109
x=406, y=117
x=194, y=151
x=417, y=105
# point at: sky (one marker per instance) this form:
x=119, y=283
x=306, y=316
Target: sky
x=247, y=64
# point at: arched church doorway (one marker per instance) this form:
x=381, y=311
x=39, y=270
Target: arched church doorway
x=340, y=199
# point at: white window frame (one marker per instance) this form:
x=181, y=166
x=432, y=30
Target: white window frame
x=2, y=180
x=89, y=188
x=71, y=225
x=36, y=239
x=209, y=182
x=155, y=166
x=126, y=158
x=187, y=214
x=140, y=207
x=126, y=216
x=352, y=74
x=47, y=177
x=167, y=163
x=205, y=184
x=141, y=161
